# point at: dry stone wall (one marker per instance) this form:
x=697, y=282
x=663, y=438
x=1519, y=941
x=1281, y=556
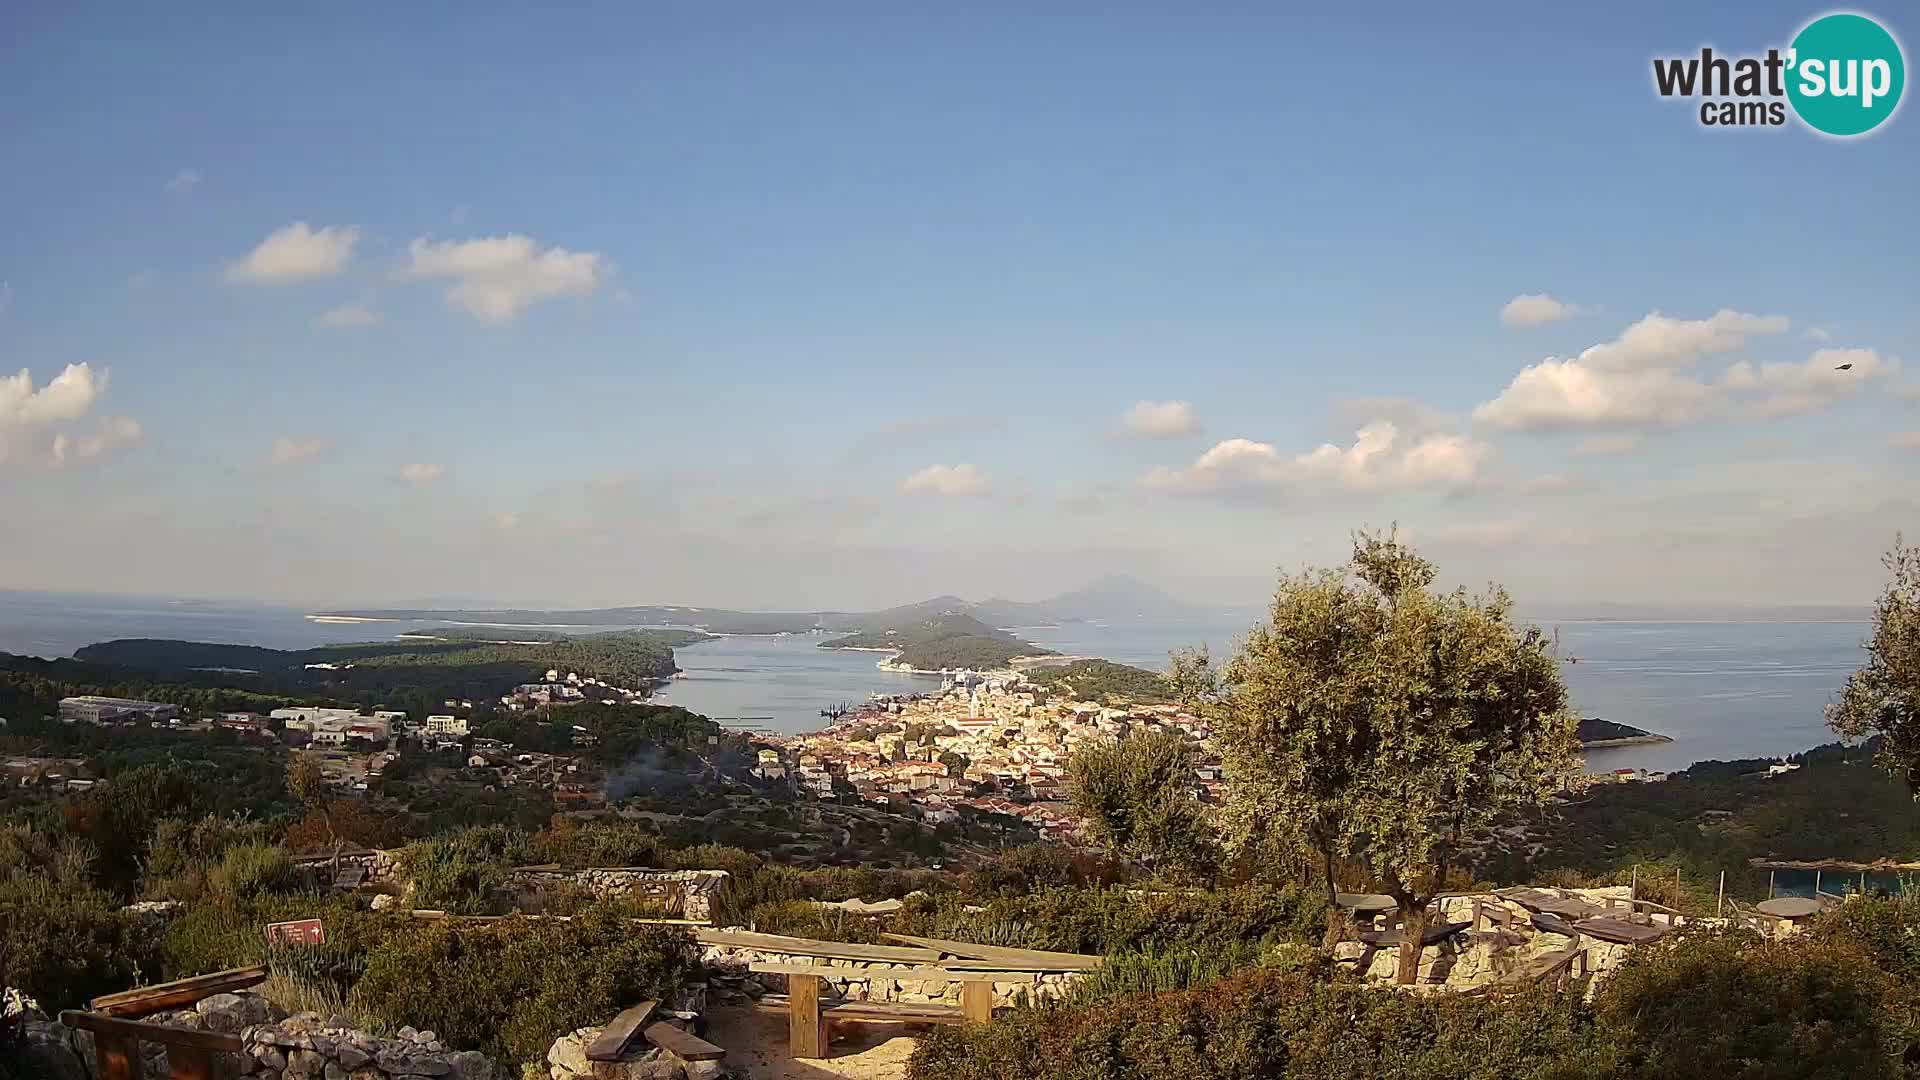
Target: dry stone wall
x=691, y=891
x=731, y=980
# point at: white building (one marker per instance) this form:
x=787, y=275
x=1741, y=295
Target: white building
x=446, y=725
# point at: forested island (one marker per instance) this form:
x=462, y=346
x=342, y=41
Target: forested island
x=1596, y=733
x=943, y=642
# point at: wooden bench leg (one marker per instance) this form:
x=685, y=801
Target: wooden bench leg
x=118, y=1057
x=976, y=1000
x=806, y=1030
x=190, y=1063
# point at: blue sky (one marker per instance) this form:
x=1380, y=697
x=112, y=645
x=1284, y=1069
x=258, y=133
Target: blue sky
x=772, y=267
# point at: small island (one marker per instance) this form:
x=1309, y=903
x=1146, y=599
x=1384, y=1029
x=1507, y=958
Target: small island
x=1598, y=734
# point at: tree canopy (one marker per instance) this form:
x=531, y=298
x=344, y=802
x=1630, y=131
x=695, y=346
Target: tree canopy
x=1373, y=718
x=1135, y=796
x=1883, y=697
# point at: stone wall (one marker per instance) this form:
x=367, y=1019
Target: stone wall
x=1469, y=960
x=731, y=981
x=277, y=1046
x=567, y=1060
x=690, y=891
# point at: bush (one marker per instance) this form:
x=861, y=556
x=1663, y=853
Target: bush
x=461, y=872
x=249, y=871
x=63, y=941
x=510, y=988
x=1265, y=1023
x=1734, y=1004
x=184, y=851
x=601, y=843
x=1032, y=867
x=1120, y=919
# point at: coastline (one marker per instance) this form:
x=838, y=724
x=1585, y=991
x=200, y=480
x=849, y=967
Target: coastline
x=1635, y=740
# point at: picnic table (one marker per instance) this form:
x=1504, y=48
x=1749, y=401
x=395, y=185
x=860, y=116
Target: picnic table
x=1791, y=909
x=1365, y=906
x=1542, y=902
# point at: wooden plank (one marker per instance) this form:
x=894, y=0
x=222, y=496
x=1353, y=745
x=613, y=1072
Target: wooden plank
x=806, y=1028
x=683, y=1044
x=913, y=974
x=188, y=1063
x=170, y=995
x=618, y=1035
x=1047, y=966
x=905, y=1012
x=442, y=916
x=106, y=1028
x=1023, y=959
x=838, y=950
x=976, y=1000
x=116, y=1057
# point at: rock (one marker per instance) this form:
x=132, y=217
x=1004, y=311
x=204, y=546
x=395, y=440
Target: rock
x=705, y=1070
x=270, y=1056
x=351, y=1055
x=335, y=1072
x=424, y=1036
x=47, y=1053
x=383, y=901
x=569, y=1052
x=408, y=1032
x=471, y=1065
x=305, y=1063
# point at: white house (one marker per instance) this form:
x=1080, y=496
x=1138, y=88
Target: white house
x=446, y=725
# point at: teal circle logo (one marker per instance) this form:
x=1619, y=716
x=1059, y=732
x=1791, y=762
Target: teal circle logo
x=1845, y=74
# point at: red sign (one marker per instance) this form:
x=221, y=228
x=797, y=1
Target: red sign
x=297, y=932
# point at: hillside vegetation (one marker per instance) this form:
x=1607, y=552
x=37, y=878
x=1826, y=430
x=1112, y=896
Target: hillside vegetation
x=944, y=641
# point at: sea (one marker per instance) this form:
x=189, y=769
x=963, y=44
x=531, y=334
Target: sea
x=1719, y=689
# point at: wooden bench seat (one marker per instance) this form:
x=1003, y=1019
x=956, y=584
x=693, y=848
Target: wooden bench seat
x=808, y=1014
x=898, y=1011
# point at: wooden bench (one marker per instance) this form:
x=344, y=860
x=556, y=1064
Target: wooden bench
x=809, y=1015
x=633, y=1026
x=147, y=1000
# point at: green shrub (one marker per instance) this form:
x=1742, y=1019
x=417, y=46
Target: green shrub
x=63, y=941
x=1734, y=1004
x=184, y=851
x=230, y=931
x=252, y=870
x=1266, y=1023
x=579, y=845
x=462, y=872
x=806, y=918
x=510, y=988
x=1120, y=919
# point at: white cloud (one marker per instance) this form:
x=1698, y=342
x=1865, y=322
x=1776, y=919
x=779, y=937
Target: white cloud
x=296, y=252
x=1906, y=440
x=1780, y=389
x=1634, y=380
x=37, y=423
x=952, y=480
x=183, y=181
x=347, y=316
x=497, y=277
x=1160, y=419
x=67, y=396
x=115, y=433
x=422, y=473
x=1818, y=333
x=1380, y=458
x=1533, y=309
x=288, y=450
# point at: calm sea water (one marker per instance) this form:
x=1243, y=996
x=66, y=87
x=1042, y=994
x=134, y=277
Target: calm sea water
x=1719, y=689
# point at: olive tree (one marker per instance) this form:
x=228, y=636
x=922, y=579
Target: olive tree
x=1374, y=719
x=1883, y=697
x=1136, y=796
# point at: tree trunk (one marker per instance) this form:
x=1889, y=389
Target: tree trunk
x=1413, y=926
x=1336, y=919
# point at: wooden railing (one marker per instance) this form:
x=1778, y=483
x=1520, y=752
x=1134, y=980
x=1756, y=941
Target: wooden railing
x=116, y=1046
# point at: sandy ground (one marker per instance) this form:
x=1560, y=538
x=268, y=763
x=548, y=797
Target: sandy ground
x=757, y=1042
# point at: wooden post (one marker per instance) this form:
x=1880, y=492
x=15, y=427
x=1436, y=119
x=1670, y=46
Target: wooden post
x=118, y=1057
x=806, y=1030
x=1770, y=874
x=1676, y=884
x=189, y=1063
x=1633, y=886
x=1816, y=884
x=976, y=1000
x=1721, y=900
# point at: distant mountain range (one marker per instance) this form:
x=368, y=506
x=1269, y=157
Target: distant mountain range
x=1115, y=597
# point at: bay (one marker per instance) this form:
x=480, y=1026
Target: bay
x=1719, y=689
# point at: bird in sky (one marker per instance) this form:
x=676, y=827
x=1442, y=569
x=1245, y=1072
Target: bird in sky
x=1844, y=367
